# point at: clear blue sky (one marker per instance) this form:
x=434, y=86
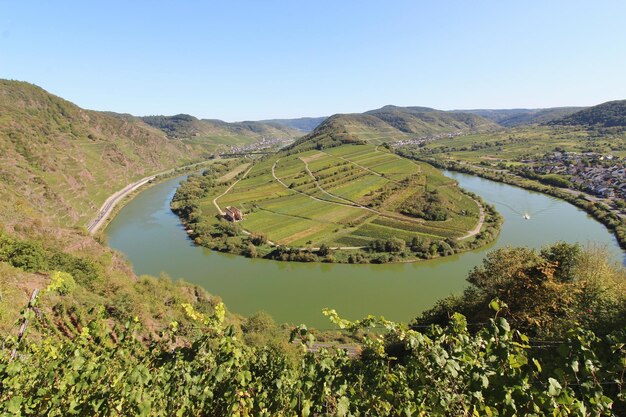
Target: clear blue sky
x=247, y=60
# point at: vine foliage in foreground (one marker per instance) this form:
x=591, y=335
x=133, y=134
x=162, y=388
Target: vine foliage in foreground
x=439, y=371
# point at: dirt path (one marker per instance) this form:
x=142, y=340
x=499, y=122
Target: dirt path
x=481, y=221
x=319, y=187
x=305, y=194
x=232, y=174
x=228, y=189
x=364, y=168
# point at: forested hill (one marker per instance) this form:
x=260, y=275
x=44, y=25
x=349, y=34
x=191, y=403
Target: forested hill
x=304, y=124
x=427, y=121
x=609, y=114
x=186, y=126
x=522, y=117
x=389, y=124
x=62, y=161
x=58, y=163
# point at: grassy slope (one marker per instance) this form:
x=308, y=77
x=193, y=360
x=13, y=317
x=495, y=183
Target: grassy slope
x=352, y=176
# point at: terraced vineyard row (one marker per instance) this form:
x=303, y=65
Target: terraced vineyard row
x=348, y=196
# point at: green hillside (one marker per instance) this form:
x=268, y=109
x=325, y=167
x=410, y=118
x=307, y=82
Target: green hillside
x=58, y=163
x=62, y=161
x=609, y=114
x=392, y=123
x=424, y=121
x=303, y=124
x=184, y=126
x=521, y=117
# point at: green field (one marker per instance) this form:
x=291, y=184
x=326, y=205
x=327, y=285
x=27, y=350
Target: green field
x=345, y=196
x=512, y=146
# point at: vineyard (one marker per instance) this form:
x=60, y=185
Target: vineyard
x=494, y=371
x=353, y=193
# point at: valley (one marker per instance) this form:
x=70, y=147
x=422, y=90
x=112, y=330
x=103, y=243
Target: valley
x=312, y=209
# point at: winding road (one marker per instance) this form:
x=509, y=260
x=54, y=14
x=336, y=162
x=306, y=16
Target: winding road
x=110, y=203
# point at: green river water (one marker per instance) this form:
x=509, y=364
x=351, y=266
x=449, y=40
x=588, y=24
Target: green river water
x=153, y=239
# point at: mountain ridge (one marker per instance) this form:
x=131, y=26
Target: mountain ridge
x=185, y=126
x=303, y=124
x=608, y=114
x=521, y=116
x=388, y=124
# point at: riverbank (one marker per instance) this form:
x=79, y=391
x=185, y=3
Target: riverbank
x=154, y=241
x=615, y=222
x=117, y=200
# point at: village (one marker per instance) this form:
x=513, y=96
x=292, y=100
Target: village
x=597, y=174
x=422, y=140
x=264, y=145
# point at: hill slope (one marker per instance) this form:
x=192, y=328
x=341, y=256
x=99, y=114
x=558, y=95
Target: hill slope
x=217, y=131
x=390, y=124
x=609, y=114
x=303, y=124
x=62, y=161
x=58, y=163
x=521, y=117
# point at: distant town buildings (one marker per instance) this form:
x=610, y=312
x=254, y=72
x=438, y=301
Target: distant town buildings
x=425, y=139
x=597, y=174
x=263, y=144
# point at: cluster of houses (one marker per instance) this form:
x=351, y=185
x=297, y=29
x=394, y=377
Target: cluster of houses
x=601, y=175
x=263, y=144
x=425, y=139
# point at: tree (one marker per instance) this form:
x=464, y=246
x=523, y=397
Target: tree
x=258, y=239
x=395, y=245
x=324, y=250
x=546, y=292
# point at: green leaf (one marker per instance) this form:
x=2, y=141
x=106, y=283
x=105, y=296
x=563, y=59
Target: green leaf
x=14, y=404
x=554, y=387
x=342, y=406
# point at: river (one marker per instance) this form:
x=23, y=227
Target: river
x=153, y=240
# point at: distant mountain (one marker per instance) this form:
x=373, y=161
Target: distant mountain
x=184, y=126
x=520, y=117
x=609, y=114
x=427, y=121
x=391, y=123
x=303, y=124
x=62, y=161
